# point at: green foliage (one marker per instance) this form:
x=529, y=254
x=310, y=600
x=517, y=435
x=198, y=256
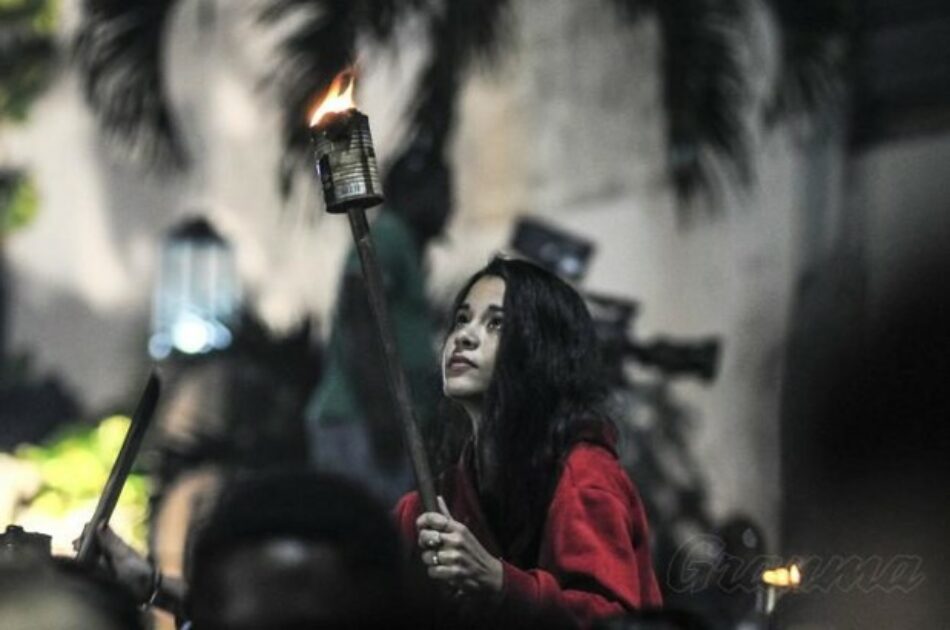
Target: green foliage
x=19, y=202
x=27, y=53
x=42, y=15
x=118, y=52
x=74, y=467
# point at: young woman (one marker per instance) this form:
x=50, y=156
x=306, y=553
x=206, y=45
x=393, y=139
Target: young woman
x=537, y=513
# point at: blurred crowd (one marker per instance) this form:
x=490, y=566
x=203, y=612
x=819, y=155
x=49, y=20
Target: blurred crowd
x=290, y=549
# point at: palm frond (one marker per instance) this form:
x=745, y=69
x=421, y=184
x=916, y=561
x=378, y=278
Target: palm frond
x=464, y=33
x=382, y=16
x=24, y=10
x=118, y=50
x=27, y=64
x=19, y=200
x=815, y=56
x=322, y=44
x=633, y=10
x=27, y=58
x=704, y=90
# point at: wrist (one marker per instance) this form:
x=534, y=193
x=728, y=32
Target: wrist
x=155, y=588
x=170, y=595
x=497, y=581
x=138, y=579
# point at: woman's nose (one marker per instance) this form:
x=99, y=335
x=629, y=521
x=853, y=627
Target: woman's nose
x=466, y=340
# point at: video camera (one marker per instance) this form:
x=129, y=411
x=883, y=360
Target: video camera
x=568, y=256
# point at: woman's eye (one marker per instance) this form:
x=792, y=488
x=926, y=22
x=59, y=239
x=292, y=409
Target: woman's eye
x=461, y=319
x=495, y=324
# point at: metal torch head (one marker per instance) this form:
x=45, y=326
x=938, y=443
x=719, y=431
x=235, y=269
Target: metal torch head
x=346, y=161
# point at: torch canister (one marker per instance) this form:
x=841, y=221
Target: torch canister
x=346, y=161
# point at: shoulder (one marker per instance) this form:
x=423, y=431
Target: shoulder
x=595, y=490
x=591, y=467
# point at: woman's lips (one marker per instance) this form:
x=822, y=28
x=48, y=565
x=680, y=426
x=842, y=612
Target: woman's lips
x=459, y=364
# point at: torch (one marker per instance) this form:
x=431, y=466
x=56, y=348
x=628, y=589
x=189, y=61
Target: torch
x=120, y=469
x=346, y=165
x=775, y=583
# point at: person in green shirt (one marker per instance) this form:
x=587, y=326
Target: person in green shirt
x=351, y=422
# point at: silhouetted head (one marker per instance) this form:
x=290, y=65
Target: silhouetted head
x=58, y=594
x=295, y=549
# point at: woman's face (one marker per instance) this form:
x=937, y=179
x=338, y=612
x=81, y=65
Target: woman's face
x=468, y=356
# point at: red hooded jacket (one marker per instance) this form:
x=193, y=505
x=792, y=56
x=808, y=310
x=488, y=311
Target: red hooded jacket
x=594, y=557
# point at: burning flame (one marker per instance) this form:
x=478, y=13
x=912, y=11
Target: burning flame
x=788, y=577
x=339, y=97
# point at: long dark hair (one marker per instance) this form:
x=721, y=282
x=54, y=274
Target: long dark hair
x=547, y=393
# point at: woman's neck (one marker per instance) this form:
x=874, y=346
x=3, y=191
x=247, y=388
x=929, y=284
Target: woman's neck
x=474, y=410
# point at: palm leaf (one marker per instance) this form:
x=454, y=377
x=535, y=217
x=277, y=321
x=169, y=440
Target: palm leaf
x=464, y=33
x=118, y=50
x=27, y=55
x=633, y=10
x=382, y=16
x=24, y=10
x=322, y=44
x=704, y=90
x=27, y=65
x=816, y=55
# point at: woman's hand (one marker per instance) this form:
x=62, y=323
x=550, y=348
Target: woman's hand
x=124, y=562
x=454, y=556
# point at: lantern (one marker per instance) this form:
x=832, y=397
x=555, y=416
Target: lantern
x=197, y=295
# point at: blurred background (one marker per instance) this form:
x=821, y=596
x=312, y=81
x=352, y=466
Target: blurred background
x=750, y=192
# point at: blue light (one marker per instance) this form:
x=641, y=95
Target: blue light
x=197, y=297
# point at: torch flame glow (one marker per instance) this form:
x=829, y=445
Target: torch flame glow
x=788, y=577
x=338, y=98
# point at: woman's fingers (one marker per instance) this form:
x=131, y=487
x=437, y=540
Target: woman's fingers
x=434, y=539
x=106, y=538
x=464, y=585
x=452, y=540
x=439, y=522
x=443, y=507
x=430, y=538
x=433, y=520
x=448, y=566
x=77, y=543
x=443, y=558
x=448, y=573
x=449, y=550
x=113, y=546
x=452, y=554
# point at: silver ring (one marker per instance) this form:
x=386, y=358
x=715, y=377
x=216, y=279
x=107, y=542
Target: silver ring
x=435, y=559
